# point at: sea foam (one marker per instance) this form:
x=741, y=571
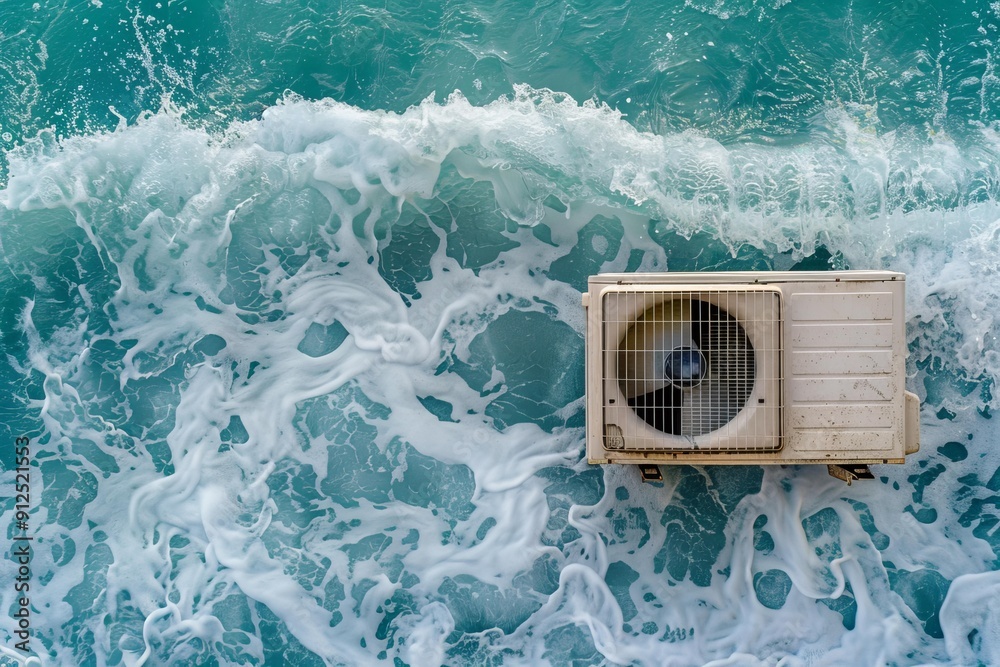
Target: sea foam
x=312, y=387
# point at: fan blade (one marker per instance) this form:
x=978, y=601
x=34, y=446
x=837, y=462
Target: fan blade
x=661, y=409
x=723, y=393
x=643, y=350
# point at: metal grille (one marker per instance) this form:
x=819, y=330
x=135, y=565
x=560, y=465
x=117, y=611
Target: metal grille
x=697, y=369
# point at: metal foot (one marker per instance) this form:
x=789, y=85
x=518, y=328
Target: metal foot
x=650, y=473
x=850, y=472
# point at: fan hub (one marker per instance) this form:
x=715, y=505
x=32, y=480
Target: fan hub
x=685, y=367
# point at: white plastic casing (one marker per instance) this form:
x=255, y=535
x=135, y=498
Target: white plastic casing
x=831, y=390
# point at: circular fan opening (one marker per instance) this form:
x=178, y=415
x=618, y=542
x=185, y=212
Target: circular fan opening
x=686, y=367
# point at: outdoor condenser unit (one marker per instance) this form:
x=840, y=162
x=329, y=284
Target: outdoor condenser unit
x=749, y=368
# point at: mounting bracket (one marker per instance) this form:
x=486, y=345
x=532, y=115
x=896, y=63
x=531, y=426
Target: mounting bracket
x=650, y=473
x=850, y=471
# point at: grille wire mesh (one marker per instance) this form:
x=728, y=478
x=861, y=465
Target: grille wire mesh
x=688, y=363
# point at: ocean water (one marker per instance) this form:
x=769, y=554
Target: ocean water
x=291, y=319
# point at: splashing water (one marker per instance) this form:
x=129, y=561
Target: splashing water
x=305, y=386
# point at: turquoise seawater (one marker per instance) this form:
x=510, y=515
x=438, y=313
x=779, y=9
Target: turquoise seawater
x=290, y=311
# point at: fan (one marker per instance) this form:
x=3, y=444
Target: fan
x=686, y=367
x=749, y=368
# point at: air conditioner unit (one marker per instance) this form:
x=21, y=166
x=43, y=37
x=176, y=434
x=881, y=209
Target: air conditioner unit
x=749, y=368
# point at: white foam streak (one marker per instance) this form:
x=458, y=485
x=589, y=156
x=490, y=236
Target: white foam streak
x=584, y=598
x=973, y=606
x=426, y=634
x=247, y=561
x=509, y=548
